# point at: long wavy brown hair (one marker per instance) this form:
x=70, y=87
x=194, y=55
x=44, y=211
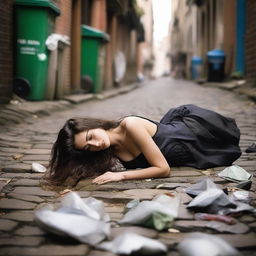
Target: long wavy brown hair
x=70, y=163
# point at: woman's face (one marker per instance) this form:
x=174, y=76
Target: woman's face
x=92, y=140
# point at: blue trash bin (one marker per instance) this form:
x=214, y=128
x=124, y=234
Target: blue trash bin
x=216, y=65
x=196, y=67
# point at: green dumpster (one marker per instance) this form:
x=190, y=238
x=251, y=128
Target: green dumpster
x=34, y=22
x=92, y=59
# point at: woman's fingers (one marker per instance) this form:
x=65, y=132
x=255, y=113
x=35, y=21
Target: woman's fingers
x=104, y=178
x=108, y=177
x=101, y=181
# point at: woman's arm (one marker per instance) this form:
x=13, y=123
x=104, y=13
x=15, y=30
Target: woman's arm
x=159, y=166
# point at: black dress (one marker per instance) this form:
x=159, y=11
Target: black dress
x=192, y=136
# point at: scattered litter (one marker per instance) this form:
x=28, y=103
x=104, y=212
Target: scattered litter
x=89, y=206
x=173, y=230
x=208, y=172
x=217, y=217
x=200, y=244
x=82, y=219
x=171, y=185
x=240, y=207
x=232, y=189
x=64, y=192
x=36, y=167
x=251, y=148
x=158, y=213
x=244, y=185
x=240, y=196
x=133, y=203
x=169, y=194
x=199, y=187
x=128, y=243
x=6, y=180
x=211, y=201
x=235, y=173
x=17, y=156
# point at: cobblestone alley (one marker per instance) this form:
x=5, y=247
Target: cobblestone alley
x=31, y=141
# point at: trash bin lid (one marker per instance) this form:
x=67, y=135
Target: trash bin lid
x=216, y=53
x=196, y=59
x=88, y=31
x=39, y=3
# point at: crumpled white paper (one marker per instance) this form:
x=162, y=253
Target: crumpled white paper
x=199, y=187
x=128, y=243
x=36, y=167
x=235, y=173
x=82, y=219
x=200, y=244
x=143, y=211
x=212, y=201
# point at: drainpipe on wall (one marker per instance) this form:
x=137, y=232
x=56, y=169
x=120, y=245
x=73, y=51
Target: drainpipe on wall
x=99, y=19
x=240, y=36
x=76, y=45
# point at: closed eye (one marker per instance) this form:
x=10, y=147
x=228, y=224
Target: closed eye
x=88, y=138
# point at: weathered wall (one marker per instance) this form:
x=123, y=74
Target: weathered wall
x=63, y=26
x=6, y=53
x=250, y=42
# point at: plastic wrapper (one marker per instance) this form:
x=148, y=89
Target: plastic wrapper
x=133, y=203
x=199, y=187
x=244, y=185
x=53, y=40
x=243, y=196
x=216, y=217
x=128, y=243
x=36, y=167
x=235, y=173
x=251, y=148
x=240, y=207
x=90, y=206
x=158, y=213
x=200, y=244
x=82, y=219
x=211, y=201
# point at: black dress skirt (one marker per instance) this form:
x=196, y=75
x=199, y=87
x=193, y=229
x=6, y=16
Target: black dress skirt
x=192, y=136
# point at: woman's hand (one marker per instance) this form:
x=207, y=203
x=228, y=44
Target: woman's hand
x=108, y=177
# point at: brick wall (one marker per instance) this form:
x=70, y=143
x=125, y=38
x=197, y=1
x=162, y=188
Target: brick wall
x=63, y=26
x=250, y=42
x=6, y=63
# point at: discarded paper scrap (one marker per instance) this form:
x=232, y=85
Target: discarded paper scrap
x=128, y=243
x=235, y=173
x=82, y=219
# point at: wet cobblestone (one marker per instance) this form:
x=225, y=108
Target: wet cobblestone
x=31, y=141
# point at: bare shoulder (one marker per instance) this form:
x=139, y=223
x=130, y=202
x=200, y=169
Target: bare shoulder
x=134, y=123
x=131, y=121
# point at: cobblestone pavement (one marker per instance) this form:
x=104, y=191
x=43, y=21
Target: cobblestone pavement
x=31, y=141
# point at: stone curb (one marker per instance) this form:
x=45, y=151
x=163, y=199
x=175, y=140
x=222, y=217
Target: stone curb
x=242, y=89
x=20, y=110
